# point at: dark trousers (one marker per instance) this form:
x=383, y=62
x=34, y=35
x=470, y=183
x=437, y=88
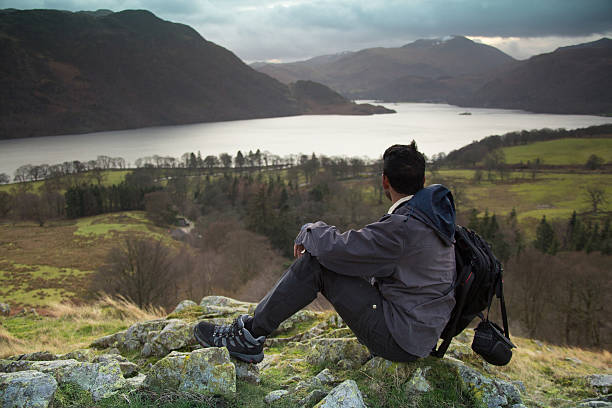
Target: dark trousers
x=356, y=301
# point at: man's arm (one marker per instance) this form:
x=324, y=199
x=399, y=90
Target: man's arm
x=370, y=251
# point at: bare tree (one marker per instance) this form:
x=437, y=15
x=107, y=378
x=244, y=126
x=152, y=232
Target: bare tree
x=596, y=196
x=141, y=269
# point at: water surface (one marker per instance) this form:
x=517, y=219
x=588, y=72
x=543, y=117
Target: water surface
x=435, y=127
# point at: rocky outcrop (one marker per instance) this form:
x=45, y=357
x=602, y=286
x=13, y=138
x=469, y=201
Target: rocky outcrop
x=5, y=309
x=161, y=356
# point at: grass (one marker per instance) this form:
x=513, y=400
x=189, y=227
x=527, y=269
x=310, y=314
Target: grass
x=109, y=177
x=553, y=194
x=42, y=265
x=560, y=152
x=68, y=326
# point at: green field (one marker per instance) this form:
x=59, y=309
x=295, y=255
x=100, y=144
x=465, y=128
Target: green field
x=110, y=177
x=560, y=152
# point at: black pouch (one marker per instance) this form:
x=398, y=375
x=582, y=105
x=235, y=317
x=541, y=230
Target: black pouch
x=491, y=344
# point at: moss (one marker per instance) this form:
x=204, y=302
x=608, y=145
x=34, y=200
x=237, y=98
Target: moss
x=70, y=395
x=191, y=313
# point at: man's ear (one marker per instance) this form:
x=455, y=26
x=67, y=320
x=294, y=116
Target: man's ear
x=385, y=182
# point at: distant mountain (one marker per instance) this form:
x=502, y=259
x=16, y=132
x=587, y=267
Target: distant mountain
x=64, y=72
x=425, y=70
x=317, y=99
x=575, y=79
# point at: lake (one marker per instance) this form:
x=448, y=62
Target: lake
x=435, y=127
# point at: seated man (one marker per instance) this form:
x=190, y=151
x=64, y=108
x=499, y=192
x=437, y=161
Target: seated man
x=389, y=281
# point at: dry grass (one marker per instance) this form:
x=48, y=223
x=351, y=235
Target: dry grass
x=69, y=326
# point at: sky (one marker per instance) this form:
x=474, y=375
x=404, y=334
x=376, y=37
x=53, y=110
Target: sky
x=290, y=30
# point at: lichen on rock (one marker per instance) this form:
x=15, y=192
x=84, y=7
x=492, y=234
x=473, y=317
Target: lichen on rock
x=205, y=371
x=331, y=351
x=31, y=389
x=345, y=395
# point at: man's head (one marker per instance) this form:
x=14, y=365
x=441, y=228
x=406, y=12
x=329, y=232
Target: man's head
x=404, y=169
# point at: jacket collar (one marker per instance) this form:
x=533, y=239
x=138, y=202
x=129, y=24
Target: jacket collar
x=398, y=203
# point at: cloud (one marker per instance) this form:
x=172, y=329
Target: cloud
x=293, y=29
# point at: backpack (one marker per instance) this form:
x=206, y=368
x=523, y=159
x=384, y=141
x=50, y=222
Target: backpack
x=479, y=277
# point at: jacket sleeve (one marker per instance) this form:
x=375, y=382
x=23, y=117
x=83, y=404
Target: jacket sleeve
x=370, y=251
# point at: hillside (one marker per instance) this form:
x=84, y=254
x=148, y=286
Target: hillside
x=64, y=72
x=398, y=73
x=575, y=79
x=313, y=359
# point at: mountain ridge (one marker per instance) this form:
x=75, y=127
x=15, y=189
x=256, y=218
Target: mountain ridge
x=65, y=72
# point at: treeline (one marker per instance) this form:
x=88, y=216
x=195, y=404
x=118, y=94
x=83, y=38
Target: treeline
x=474, y=152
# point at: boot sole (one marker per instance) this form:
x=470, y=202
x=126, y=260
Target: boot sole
x=247, y=358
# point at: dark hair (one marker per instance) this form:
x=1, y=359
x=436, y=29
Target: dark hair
x=404, y=165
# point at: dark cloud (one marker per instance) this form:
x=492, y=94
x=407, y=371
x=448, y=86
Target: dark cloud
x=293, y=29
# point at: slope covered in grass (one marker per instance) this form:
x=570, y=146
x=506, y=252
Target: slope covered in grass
x=560, y=152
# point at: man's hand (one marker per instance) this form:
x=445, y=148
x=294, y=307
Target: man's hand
x=298, y=250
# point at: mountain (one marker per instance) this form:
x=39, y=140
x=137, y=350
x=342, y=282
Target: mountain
x=64, y=72
x=424, y=70
x=574, y=79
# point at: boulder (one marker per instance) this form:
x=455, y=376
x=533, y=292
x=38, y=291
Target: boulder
x=495, y=393
x=214, y=306
x=100, y=379
x=128, y=369
x=135, y=383
x=204, y=371
x=36, y=356
x=84, y=355
x=299, y=317
x=175, y=335
x=184, y=305
x=601, y=382
x=313, y=397
x=378, y=367
x=112, y=340
x=139, y=333
x=29, y=388
x=5, y=309
x=418, y=383
x=247, y=372
x=275, y=395
x=331, y=351
x=345, y=395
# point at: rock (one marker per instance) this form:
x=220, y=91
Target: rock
x=221, y=305
x=84, y=355
x=275, y=395
x=418, y=383
x=28, y=311
x=313, y=397
x=596, y=404
x=378, y=367
x=574, y=360
x=601, y=382
x=112, y=340
x=135, y=383
x=174, y=336
x=5, y=309
x=331, y=351
x=138, y=334
x=247, y=372
x=29, y=388
x=184, y=305
x=345, y=395
x=291, y=322
x=204, y=371
x=100, y=379
x=325, y=376
x=37, y=356
x=128, y=369
x=460, y=351
x=495, y=393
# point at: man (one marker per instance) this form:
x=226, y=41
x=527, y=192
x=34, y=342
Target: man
x=391, y=281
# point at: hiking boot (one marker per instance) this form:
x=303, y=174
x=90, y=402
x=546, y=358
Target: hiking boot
x=239, y=341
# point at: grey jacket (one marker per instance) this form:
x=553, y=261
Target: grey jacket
x=409, y=255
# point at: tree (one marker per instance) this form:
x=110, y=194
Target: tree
x=594, y=162
x=159, y=208
x=6, y=203
x=596, y=196
x=140, y=269
x=226, y=160
x=4, y=178
x=545, y=240
x=211, y=161
x=239, y=160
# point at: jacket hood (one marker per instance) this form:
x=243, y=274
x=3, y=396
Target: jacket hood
x=435, y=207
